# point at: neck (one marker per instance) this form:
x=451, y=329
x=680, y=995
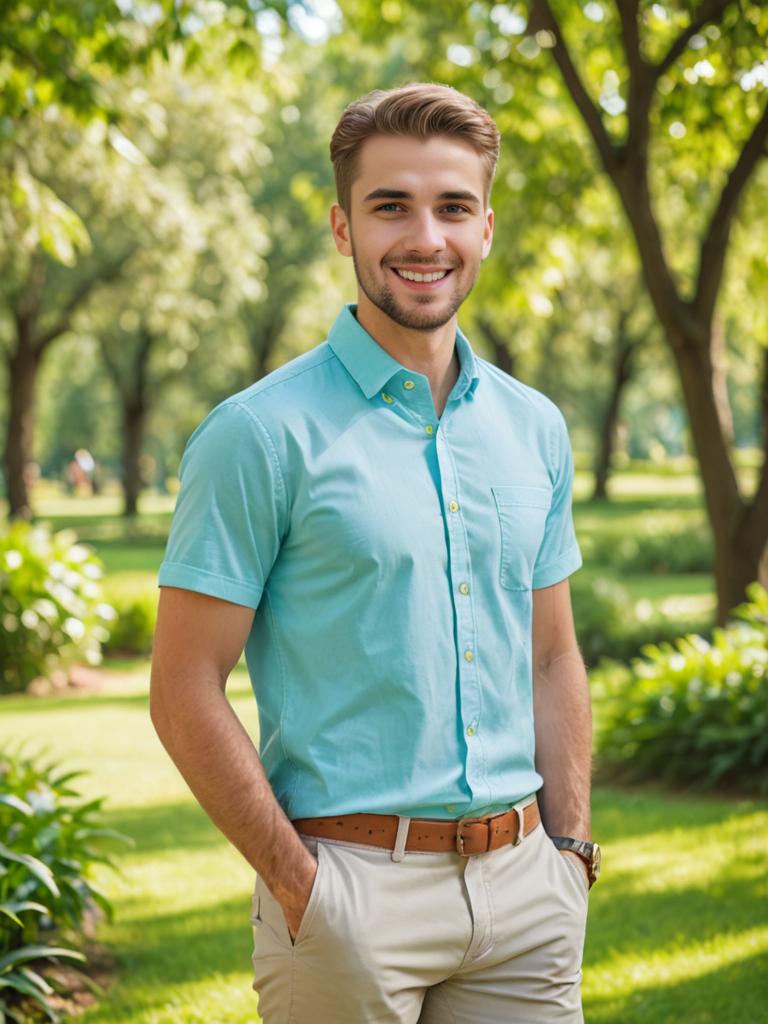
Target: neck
x=431, y=353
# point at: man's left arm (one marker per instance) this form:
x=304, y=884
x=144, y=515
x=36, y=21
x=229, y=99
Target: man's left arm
x=562, y=717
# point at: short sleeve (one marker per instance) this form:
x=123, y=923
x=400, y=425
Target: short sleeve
x=559, y=553
x=231, y=510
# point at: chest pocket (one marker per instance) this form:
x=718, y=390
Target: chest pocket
x=522, y=515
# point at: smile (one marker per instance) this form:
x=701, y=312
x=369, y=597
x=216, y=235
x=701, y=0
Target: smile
x=412, y=275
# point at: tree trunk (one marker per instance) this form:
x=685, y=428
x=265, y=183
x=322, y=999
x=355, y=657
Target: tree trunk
x=501, y=355
x=18, y=456
x=622, y=372
x=262, y=340
x=740, y=533
x=134, y=421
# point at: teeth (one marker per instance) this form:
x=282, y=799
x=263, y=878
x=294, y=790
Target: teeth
x=411, y=275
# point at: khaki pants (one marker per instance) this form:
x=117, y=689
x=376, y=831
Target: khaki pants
x=433, y=938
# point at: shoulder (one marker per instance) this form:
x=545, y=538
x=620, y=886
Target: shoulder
x=296, y=386
x=523, y=399
x=298, y=377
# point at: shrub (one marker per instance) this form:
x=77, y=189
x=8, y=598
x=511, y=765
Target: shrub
x=610, y=624
x=652, y=550
x=134, y=626
x=49, y=841
x=601, y=611
x=694, y=712
x=51, y=609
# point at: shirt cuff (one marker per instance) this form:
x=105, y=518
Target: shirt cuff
x=187, y=577
x=553, y=572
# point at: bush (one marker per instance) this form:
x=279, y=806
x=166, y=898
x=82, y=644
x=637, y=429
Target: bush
x=51, y=608
x=610, y=624
x=49, y=841
x=652, y=550
x=603, y=612
x=693, y=712
x=134, y=627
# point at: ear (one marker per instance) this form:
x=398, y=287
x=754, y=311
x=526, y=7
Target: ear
x=487, y=233
x=340, y=230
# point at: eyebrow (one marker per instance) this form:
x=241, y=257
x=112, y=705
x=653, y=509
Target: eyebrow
x=392, y=193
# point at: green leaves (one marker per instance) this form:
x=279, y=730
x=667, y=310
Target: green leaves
x=48, y=842
x=695, y=712
x=51, y=609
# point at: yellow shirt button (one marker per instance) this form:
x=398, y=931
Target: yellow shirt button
x=451, y=808
x=453, y=506
x=387, y=398
x=430, y=429
x=470, y=731
x=463, y=588
x=468, y=655
x=409, y=385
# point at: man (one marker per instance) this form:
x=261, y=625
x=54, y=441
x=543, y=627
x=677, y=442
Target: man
x=385, y=525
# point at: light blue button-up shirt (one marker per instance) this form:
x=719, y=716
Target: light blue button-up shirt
x=390, y=557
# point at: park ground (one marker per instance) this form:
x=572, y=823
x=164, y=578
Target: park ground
x=678, y=924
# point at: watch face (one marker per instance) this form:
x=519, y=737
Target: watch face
x=596, y=861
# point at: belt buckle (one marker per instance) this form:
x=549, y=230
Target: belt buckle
x=460, y=834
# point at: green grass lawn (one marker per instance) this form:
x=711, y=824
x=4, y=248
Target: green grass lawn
x=678, y=926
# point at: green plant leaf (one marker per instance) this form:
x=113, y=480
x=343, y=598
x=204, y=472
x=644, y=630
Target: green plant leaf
x=17, y=982
x=40, y=870
x=27, y=953
x=17, y=803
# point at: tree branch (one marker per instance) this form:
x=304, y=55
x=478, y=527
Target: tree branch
x=542, y=18
x=111, y=366
x=108, y=272
x=630, y=33
x=713, y=248
x=640, y=92
x=31, y=291
x=709, y=10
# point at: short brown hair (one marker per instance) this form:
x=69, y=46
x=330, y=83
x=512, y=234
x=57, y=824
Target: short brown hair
x=421, y=109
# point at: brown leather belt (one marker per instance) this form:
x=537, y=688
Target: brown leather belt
x=467, y=836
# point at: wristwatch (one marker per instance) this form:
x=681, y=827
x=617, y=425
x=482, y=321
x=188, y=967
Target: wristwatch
x=589, y=853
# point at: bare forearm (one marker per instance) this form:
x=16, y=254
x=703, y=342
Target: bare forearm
x=221, y=766
x=563, y=725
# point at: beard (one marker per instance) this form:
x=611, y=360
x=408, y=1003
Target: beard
x=424, y=319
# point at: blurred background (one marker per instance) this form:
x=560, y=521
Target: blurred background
x=164, y=195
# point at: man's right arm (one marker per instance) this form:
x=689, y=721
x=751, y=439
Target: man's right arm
x=197, y=644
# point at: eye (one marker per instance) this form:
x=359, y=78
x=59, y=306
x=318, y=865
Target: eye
x=455, y=208
x=389, y=208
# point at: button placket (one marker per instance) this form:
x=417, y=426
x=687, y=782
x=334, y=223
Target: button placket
x=460, y=575
x=416, y=398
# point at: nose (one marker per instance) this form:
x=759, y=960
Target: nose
x=425, y=235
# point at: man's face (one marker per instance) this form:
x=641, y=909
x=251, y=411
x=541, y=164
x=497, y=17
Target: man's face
x=416, y=208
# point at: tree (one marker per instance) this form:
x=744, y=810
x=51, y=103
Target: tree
x=197, y=242
x=661, y=61
x=59, y=65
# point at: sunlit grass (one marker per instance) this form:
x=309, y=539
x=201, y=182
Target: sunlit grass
x=678, y=929
x=678, y=926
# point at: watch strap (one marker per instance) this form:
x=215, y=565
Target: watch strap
x=582, y=848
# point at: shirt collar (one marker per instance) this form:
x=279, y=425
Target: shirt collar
x=371, y=367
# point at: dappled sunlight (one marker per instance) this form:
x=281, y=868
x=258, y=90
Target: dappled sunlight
x=688, y=960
